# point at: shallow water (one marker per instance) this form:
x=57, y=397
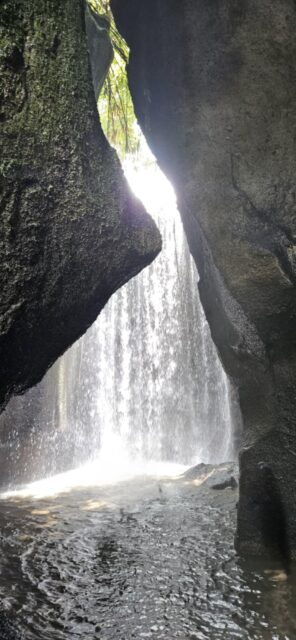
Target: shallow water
x=147, y=557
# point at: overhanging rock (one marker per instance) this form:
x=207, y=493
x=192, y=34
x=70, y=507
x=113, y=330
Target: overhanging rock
x=71, y=230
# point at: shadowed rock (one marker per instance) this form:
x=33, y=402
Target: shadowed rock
x=99, y=47
x=214, y=88
x=71, y=230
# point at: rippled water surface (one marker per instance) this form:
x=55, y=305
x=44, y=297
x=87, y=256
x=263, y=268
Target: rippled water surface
x=146, y=557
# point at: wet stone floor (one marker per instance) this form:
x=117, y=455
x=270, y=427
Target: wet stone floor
x=143, y=558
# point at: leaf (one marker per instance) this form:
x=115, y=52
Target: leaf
x=115, y=103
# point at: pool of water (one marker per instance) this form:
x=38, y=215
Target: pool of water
x=144, y=557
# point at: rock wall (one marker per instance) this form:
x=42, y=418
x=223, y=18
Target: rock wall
x=71, y=231
x=214, y=88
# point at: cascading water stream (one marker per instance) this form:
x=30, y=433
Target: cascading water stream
x=169, y=398
x=145, y=382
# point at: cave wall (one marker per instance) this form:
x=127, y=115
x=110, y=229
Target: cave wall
x=214, y=88
x=71, y=231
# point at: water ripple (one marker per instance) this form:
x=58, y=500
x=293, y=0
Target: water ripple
x=146, y=558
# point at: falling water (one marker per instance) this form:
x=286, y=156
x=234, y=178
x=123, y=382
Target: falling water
x=161, y=391
x=145, y=382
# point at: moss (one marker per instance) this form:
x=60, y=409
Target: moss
x=66, y=241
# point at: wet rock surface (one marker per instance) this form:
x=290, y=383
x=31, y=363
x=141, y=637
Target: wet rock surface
x=149, y=557
x=213, y=85
x=71, y=230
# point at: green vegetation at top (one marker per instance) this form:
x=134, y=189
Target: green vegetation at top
x=115, y=104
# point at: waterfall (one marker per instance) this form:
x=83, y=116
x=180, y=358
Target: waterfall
x=162, y=393
x=145, y=382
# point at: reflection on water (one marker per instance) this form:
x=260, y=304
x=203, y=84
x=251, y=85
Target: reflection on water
x=146, y=557
x=98, y=472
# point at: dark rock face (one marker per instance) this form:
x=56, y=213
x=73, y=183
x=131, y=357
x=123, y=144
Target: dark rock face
x=71, y=231
x=99, y=47
x=214, y=87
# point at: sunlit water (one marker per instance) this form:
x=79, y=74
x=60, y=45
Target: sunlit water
x=144, y=383
x=144, y=557
x=122, y=546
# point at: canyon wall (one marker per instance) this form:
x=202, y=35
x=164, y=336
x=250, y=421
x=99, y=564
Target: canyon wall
x=214, y=88
x=71, y=231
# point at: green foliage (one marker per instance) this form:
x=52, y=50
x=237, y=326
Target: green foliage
x=115, y=103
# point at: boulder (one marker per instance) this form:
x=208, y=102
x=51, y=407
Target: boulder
x=71, y=230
